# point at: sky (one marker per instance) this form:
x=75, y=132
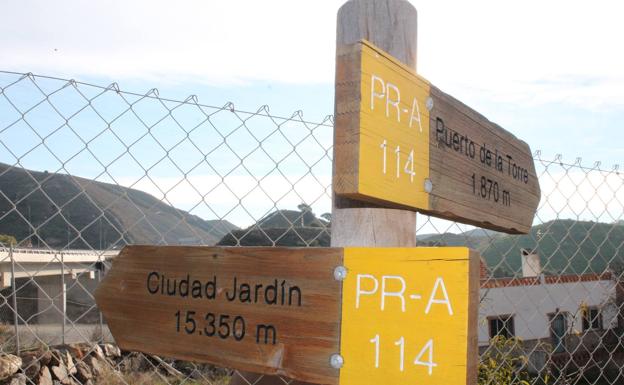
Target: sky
x=548, y=71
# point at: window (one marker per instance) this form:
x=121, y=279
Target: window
x=502, y=326
x=592, y=319
x=558, y=330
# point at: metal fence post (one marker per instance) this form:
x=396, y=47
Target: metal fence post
x=63, y=298
x=99, y=274
x=15, y=314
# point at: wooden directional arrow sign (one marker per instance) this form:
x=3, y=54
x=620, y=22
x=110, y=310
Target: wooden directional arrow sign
x=351, y=316
x=401, y=142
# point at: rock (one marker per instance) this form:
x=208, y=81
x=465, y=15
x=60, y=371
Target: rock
x=45, y=377
x=45, y=358
x=69, y=362
x=96, y=351
x=97, y=368
x=19, y=379
x=60, y=373
x=55, y=358
x=111, y=350
x=79, y=350
x=135, y=362
x=9, y=365
x=83, y=372
x=31, y=365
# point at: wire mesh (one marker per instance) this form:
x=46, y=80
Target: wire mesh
x=87, y=169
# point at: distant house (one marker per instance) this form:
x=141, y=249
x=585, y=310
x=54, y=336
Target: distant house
x=559, y=317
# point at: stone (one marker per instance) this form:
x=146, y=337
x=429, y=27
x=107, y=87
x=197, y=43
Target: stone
x=97, y=351
x=83, y=372
x=79, y=350
x=60, y=373
x=45, y=358
x=9, y=365
x=96, y=366
x=55, y=358
x=18, y=379
x=111, y=350
x=135, y=362
x=45, y=377
x=69, y=363
x=31, y=365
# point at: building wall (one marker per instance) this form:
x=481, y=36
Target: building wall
x=531, y=304
x=80, y=303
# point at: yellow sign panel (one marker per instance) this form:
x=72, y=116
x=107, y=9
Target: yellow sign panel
x=401, y=142
x=394, y=124
x=407, y=316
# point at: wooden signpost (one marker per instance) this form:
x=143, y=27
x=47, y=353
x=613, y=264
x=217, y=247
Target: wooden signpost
x=348, y=316
x=401, y=142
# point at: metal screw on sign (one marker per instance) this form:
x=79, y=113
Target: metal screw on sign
x=429, y=103
x=340, y=273
x=428, y=185
x=336, y=361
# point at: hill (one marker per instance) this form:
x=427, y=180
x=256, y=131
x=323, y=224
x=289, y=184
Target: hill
x=89, y=214
x=565, y=246
x=476, y=239
x=283, y=228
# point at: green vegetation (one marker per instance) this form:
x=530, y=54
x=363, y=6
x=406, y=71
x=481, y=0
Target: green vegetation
x=284, y=228
x=565, y=247
x=505, y=363
x=85, y=213
x=7, y=240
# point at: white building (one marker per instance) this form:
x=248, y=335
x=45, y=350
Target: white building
x=567, y=314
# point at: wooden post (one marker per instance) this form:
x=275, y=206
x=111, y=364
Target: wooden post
x=390, y=25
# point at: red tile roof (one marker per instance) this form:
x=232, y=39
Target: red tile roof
x=487, y=283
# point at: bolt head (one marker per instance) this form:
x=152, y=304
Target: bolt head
x=336, y=361
x=429, y=103
x=428, y=185
x=340, y=273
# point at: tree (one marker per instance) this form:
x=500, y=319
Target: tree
x=7, y=240
x=304, y=207
x=326, y=216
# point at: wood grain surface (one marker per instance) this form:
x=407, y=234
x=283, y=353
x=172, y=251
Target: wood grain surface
x=157, y=323
x=480, y=173
x=453, y=196
x=391, y=25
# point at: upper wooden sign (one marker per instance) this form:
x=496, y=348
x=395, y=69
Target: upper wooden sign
x=401, y=142
x=352, y=316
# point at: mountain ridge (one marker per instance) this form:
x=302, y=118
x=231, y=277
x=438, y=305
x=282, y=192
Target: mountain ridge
x=75, y=212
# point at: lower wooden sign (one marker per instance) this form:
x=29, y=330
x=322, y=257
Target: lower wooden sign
x=349, y=316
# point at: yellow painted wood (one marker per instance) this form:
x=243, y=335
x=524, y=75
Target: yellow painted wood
x=478, y=173
x=418, y=298
x=393, y=115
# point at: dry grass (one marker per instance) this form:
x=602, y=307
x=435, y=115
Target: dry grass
x=7, y=338
x=112, y=377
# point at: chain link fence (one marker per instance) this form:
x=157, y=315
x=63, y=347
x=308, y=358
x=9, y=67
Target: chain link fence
x=85, y=170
